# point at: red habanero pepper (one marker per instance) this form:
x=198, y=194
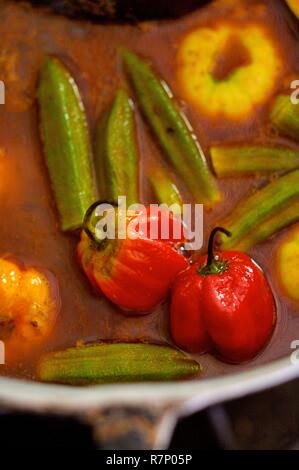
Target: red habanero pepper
x=222, y=303
x=135, y=274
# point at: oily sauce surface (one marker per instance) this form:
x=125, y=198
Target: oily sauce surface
x=29, y=222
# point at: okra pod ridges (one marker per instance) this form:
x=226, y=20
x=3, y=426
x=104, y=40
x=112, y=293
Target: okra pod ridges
x=233, y=160
x=259, y=207
x=172, y=130
x=285, y=117
x=66, y=143
x=116, y=362
x=116, y=151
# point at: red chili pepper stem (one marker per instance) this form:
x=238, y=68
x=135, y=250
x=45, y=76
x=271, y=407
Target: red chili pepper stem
x=89, y=228
x=214, y=264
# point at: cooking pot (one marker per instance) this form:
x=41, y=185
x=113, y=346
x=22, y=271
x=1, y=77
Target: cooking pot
x=141, y=415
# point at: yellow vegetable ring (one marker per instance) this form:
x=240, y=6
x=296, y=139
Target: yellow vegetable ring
x=229, y=69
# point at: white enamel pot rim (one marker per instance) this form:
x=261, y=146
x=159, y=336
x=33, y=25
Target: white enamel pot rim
x=185, y=396
x=168, y=401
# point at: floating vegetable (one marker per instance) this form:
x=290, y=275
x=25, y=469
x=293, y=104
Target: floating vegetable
x=245, y=160
x=134, y=272
x=222, y=303
x=287, y=264
x=172, y=130
x=226, y=70
x=165, y=189
x=116, y=362
x=117, y=153
x=29, y=304
x=285, y=117
x=259, y=207
x=261, y=232
x=65, y=138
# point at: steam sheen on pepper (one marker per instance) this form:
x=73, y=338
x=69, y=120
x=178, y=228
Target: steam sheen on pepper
x=223, y=303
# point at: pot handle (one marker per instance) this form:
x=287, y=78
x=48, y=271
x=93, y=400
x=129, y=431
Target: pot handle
x=132, y=428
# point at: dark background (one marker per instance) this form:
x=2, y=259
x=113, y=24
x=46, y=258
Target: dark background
x=268, y=420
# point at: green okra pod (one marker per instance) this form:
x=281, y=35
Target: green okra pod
x=165, y=188
x=229, y=160
x=172, y=129
x=285, y=116
x=65, y=138
x=116, y=362
x=116, y=151
x=259, y=207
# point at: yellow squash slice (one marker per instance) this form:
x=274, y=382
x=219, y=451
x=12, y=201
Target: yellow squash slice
x=229, y=69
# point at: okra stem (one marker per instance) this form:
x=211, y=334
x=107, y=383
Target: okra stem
x=116, y=151
x=245, y=160
x=260, y=206
x=116, y=362
x=173, y=131
x=65, y=138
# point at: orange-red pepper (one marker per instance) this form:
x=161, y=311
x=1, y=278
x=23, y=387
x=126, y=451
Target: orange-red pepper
x=135, y=274
x=223, y=303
